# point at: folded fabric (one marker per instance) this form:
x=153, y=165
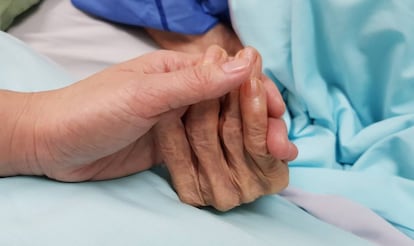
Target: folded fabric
x=9, y=9
x=346, y=71
x=143, y=209
x=348, y=215
x=184, y=16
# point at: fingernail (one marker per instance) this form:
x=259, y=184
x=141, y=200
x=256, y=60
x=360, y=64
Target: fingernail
x=235, y=65
x=249, y=53
x=253, y=89
x=213, y=54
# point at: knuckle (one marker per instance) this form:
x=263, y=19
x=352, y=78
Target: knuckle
x=227, y=201
x=277, y=187
x=191, y=199
x=195, y=81
x=253, y=191
x=249, y=184
x=200, y=136
x=258, y=128
x=256, y=146
x=188, y=191
x=223, y=197
x=206, y=191
x=135, y=97
x=202, y=121
x=231, y=130
x=202, y=78
x=202, y=124
x=277, y=178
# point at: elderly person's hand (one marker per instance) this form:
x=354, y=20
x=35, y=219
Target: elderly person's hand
x=220, y=35
x=231, y=151
x=100, y=128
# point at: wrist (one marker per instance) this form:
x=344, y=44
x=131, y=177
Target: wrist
x=19, y=140
x=220, y=35
x=13, y=105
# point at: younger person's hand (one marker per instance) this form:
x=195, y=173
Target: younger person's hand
x=100, y=127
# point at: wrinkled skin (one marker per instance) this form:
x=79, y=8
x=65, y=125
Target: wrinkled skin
x=218, y=153
x=230, y=151
x=220, y=35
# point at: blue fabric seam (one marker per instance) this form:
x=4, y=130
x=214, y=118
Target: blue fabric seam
x=206, y=5
x=162, y=15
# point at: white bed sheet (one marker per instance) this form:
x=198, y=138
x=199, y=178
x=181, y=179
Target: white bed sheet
x=79, y=43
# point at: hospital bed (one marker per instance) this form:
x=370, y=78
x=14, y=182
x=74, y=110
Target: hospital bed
x=63, y=45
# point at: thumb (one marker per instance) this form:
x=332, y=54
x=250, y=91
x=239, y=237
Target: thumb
x=168, y=91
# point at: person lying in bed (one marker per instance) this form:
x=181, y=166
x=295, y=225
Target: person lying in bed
x=164, y=106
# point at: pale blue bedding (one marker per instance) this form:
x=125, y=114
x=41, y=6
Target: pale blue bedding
x=141, y=209
x=346, y=70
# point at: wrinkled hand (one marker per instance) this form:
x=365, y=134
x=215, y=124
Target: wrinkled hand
x=220, y=35
x=100, y=128
x=232, y=151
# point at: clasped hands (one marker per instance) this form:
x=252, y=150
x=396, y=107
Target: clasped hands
x=214, y=120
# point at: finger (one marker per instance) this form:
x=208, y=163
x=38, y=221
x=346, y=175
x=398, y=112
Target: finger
x=273, y=173
x=202, y=131
x=176, y=153
x=277, y=141
x=167, y=91
x=231, y=134
x=202, y=121
x=275, y=104
x=254, y=114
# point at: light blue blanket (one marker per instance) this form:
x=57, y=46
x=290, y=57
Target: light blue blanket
x=346, y=70
x=141, y=209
